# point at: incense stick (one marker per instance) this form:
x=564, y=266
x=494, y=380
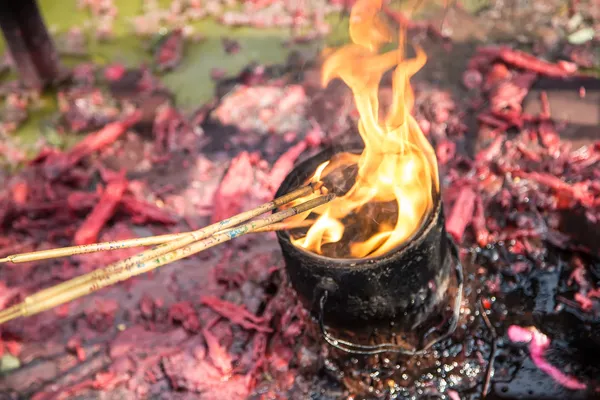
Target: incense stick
x=285, y=226
x=128, y=243
x=155, y=240
x=109, y=276
x=184, y=240
x=89, y=248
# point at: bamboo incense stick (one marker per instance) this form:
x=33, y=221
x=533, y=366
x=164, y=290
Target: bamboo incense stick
x=31, y=305
x=127, y=243
x=184, y=240
x=89, y=248
x=155, y=240
x=285, y=226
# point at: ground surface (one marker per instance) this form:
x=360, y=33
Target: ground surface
x=170, y=334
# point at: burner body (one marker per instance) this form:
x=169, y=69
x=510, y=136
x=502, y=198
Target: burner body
x=399, y=296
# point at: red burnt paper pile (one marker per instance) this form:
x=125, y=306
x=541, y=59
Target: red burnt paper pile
x=214, y=324
x=224, y=324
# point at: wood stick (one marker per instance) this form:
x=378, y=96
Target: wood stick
x=90, y=248
x=154, y=240
x=129, y=243
x=159, y=250
x=31, y=46
x=32, y=305
x=285, y=226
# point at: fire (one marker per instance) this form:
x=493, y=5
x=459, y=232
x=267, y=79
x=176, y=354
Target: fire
x=396, y=178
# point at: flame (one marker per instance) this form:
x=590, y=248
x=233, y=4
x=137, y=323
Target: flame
x=398, y=165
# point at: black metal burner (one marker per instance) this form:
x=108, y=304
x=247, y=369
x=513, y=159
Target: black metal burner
x=402, y=302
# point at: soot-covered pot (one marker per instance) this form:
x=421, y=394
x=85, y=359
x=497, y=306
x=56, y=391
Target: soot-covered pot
x=403, y=294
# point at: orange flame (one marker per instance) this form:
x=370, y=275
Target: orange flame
x=398, y=164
